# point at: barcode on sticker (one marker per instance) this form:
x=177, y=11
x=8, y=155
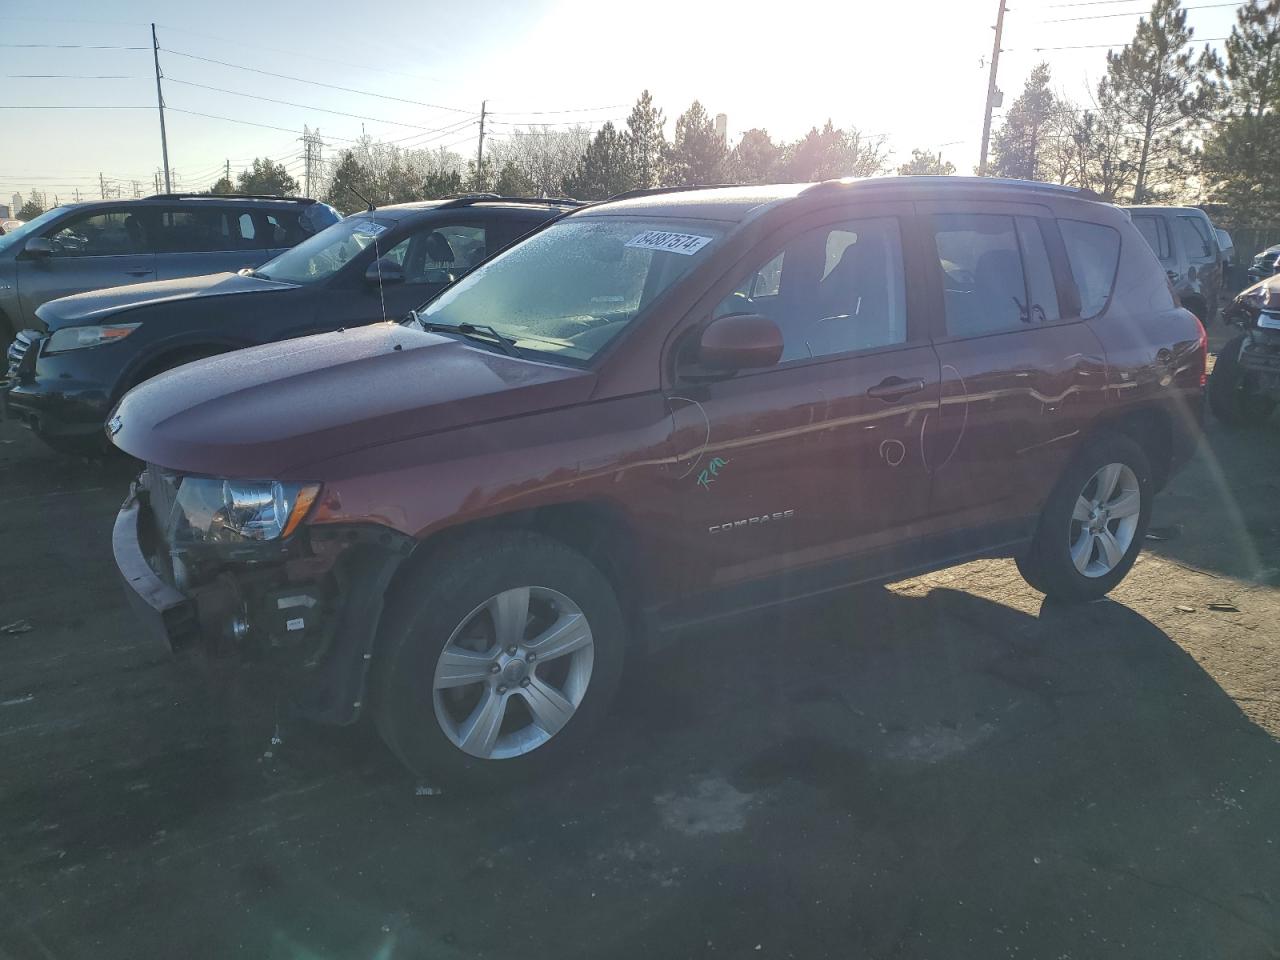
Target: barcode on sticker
x=686, y=244
x=296, y=623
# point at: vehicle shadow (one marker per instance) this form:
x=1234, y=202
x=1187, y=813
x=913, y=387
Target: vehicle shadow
x=881, y=774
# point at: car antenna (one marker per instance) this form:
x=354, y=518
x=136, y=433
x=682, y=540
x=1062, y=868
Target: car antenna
x=360, y=196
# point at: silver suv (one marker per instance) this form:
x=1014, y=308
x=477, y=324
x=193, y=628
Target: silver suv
x=108, y=243
x=1186, y=242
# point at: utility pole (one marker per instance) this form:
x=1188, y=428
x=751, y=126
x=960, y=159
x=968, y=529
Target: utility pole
x=226, y=170
x=102, y=185
x=306, y=160
x=480, y=145
x=164, y=140
x=77, y=194
x=993, y=94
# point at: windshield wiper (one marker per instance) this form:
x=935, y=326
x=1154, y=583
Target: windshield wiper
x=472, y=331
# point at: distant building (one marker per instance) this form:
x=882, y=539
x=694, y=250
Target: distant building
x=722, y=127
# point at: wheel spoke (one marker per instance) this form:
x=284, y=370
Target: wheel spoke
x=1108, y=477
x=1082, y=510
x=550, y=708
x=571, y=632
x=458, y=668
x=1127, y=504
x=1082, y=551
x=1111, y=551
x=479, y=732
x=510, y=612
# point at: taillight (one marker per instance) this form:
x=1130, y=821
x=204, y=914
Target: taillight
x=1204, y=353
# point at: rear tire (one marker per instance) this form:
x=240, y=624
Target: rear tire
x=1094, y=522
x=1231, y=397
x=497, y=660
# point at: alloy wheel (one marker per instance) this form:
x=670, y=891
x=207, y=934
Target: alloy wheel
x=513, y=673
x=1104, y=520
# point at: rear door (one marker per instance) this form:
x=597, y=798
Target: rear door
x=1022, y=374
x=194, y=240
x=785, y=471
x=1200, y=248
x=92, y=250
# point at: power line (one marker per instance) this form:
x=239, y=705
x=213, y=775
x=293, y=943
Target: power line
x=68, y=46
x=301, y=106
x=1097, y=46
x=539, y=113
x=72, y=76
x=315, y=83
x=1134, y=13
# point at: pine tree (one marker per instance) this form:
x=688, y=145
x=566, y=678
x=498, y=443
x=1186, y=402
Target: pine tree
x=1241, y=160
x=223, y=186
x=697, y=154
x=1018, y=148
x=1158, y=88
x=831, y=153
x=605, y=168
x=646, y=142
x=924, y=163
x=1252, y=69
x=266, y=177
x=755, y=159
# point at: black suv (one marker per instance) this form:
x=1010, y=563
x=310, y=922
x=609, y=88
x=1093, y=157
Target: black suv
x=367, y=267
x=110, y=243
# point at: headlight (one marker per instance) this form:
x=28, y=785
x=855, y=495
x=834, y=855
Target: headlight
x=208, y=510
x=74, y=338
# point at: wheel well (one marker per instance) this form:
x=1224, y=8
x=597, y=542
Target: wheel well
x=598, y=531
x=1152, y=430
x=174, y=358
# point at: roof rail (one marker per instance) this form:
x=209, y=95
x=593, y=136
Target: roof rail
x=467, y=199
x=653, y=191
x=228, y=196
x=983, y=182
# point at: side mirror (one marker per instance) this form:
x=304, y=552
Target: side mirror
x=740, y=341
x=384, y=271
x=37, y=248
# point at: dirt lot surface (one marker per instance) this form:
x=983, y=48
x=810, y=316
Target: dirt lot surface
x=945, y=768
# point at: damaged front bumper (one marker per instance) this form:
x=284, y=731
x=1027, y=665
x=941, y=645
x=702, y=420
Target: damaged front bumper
x=307, y=609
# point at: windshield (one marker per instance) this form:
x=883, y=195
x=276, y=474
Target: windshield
x=18, y=234
x=320, y=257
x=573, y=287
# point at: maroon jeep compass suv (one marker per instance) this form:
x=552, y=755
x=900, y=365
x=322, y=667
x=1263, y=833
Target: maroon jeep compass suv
x=668, y=407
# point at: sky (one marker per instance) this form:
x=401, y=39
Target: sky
x=76, y=107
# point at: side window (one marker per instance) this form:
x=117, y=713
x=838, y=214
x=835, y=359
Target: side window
x=1093, y=250
x=1042, y=293
x=197, y=231
x=281, y=229
x=831, y=290
x=442, y=254
x=983, y=283
x=107, y=234
x=1194, y=243
x=1154, y=232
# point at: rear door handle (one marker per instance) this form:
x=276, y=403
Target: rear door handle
x=895, y=388
x=138, y=273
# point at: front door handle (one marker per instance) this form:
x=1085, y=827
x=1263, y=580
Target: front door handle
x=895, y=388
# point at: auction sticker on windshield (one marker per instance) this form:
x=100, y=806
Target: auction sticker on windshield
x=686, y=244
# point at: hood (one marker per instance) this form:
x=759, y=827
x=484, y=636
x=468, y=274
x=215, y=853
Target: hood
x=97, y=305
x=269, y=411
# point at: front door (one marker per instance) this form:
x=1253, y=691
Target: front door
x=430, y=258
x=1022, y=374
x=106, y=248
x=785, y=473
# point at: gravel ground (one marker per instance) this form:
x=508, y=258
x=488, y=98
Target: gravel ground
x=946, y=767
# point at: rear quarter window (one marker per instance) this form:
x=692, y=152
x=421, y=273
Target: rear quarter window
x=1093, y=251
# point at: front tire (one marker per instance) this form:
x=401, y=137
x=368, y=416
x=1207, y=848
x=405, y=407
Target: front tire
x=1094, y=522
x=498, y=659
x=1233, y=396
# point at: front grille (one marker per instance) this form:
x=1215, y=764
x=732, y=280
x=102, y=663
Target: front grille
x=19, y=348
